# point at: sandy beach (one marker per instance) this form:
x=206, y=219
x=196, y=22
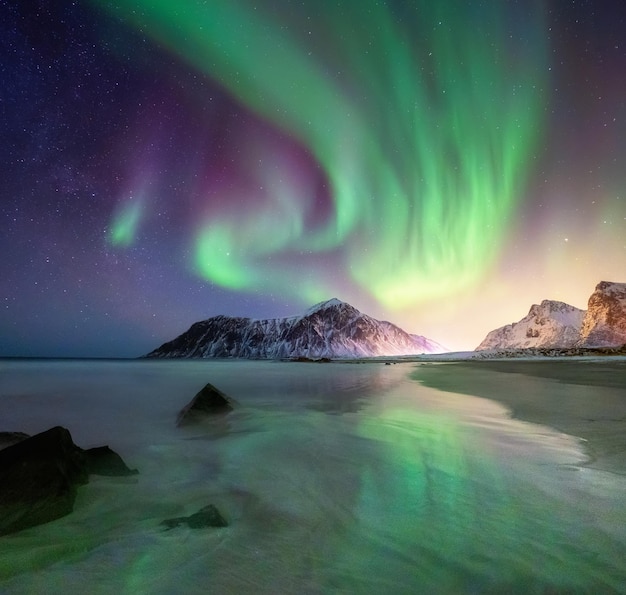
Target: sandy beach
x=333, y=478
x=589, y=398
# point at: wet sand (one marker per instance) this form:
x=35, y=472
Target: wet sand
x=333, y=479
x=589, y=398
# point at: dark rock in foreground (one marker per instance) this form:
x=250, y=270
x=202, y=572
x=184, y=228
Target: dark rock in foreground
x=209, y=401
x=40, y=475
x=208, y=516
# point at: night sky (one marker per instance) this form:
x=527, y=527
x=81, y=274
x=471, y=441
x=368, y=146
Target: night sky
x=442, y=165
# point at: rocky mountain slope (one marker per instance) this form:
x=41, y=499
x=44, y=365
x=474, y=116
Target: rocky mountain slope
x=332, y=329
x=557, y=325
x=549, y=324
x=605, y=321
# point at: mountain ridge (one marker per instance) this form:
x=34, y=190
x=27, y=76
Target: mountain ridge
x=329, y=329
x=605, y=321
x=554, y=324
x=549, y=324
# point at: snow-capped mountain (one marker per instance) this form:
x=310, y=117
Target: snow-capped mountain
x=330, y=329
x=549, y=324
x=605, y=322
x=558, y=325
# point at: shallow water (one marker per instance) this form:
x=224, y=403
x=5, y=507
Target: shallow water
x=337, y=478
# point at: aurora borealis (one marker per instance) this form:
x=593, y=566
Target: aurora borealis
x=440, y=165
x=424, y=148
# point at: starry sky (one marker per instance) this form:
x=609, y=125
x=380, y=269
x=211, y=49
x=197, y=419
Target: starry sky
x=442, y=165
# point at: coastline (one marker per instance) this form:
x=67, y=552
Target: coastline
x=589, y=398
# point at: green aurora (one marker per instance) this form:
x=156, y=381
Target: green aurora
x=426, y=139
x=124, y=228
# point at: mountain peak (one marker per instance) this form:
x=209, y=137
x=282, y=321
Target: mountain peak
x=610, y=287
x=605, y=321
x=551, y=307
x=331, y=303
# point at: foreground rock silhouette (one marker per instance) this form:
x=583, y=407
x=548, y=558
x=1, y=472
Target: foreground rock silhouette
x=101, y=460
x=208, y=516
x=207, y=402
x=40, y=476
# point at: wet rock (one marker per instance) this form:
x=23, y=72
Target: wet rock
x=40, y=476
x=208, y=516
x=208, y=402
x=104, y=461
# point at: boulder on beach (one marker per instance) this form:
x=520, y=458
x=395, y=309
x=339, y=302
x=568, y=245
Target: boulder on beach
x=208, y=516
x=208, y=402
x=104, y=461
x=40, y=475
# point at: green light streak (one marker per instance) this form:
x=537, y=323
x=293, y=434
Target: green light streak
x=123, y=229
x=425, y=130
x=231, y=251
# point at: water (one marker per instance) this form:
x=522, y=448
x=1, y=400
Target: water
x=335, y=478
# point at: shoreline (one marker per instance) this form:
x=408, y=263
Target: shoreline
x=589, y=399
